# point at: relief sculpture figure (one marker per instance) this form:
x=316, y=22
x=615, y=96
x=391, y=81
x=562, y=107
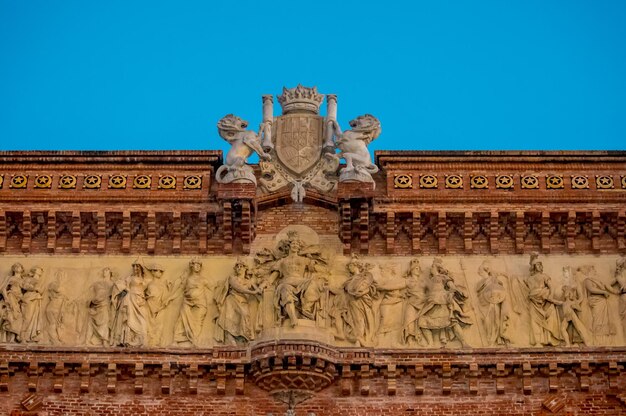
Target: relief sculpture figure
x=620, y=285
x=572, y=327
x=158, y=297
x=195, y=290
x=415, y=299
x=360, y=289
x=97, y=332
x=602, y=323
x=54, y=312
x=299, y=290
x=492, y=295
x=537, y=292
x=130, y=322
x=12, y=318
x=443, y=313
x=391, y=289
x=31, y=305
x=235, y=324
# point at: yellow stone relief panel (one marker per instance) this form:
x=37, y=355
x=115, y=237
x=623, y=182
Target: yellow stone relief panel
x=295, y=286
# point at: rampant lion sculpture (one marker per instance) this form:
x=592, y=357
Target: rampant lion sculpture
x=352, y=145
x=243, y=143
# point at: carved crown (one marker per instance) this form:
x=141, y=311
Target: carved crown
x=300, y=99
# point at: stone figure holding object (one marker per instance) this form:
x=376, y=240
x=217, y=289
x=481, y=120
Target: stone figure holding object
x=32, y=295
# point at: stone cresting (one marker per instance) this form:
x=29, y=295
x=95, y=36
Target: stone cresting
x=455, y=282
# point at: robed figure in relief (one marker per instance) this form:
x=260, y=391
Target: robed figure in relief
x=195, y=289
x=130, y=318
x=235, y=299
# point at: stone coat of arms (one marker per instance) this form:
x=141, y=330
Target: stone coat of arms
x=298, y=148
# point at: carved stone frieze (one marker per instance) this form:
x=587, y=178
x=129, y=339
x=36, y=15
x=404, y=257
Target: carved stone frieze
x=292, y=287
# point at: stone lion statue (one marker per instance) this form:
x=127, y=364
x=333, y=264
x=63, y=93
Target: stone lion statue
x=352, y=145
x=243, y=143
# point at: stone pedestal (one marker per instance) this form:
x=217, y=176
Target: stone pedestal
x=351, y=190
x=244, y=190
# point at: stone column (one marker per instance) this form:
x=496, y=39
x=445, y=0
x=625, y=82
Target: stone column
x=268, y=119
x=331, y=116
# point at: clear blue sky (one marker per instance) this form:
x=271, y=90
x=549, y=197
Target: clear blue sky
x=528, y=74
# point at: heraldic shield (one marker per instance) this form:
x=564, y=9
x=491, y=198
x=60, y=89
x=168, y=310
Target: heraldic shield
x=298, y=141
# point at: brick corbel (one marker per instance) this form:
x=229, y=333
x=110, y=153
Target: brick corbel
x=240, y=379
x=621, y=231
x=364, y=380
x=203, y=233
x=59, y=376
x=177, y=231
x=139, y=374
x=468, y=228
x=442, y=232
x=345, y=383
x=520, y=230
x=193, y=374
x=126, y=227
x=3, y=231
x=26, y=231
x=111, y=376
x=494, y=232
x=390, y=232
x=75, y=231
x=33, y=376
x=84, y=372
x=472, y=375
x=4, y=376
x=420, y=375
x=346, y=227
x=166, y=378
x=364, y=227
x=527, y=378
x=391, y=373
x=102, y=231
x=545, y=232
x=595, y=231
x=571, y=231
x=416, y=227
x=151, y=228
x=52, y=231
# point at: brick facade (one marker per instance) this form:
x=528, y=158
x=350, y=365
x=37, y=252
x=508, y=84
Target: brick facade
x=424, y=203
